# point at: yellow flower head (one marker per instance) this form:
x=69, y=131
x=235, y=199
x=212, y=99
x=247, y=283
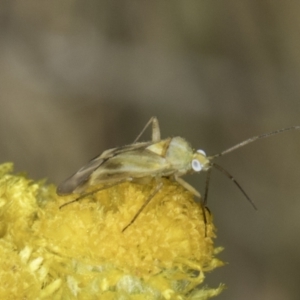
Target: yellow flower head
x=81, y=251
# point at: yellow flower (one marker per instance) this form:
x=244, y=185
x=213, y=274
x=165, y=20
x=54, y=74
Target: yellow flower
x=81, y=251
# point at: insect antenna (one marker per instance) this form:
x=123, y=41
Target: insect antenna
x=254, y=138
x=221, y=169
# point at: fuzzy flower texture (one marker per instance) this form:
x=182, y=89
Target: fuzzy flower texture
x=80, y=251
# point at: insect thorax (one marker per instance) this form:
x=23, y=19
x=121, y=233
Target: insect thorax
x=179, y=154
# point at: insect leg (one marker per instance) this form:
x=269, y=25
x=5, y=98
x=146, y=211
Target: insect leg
x=187, y=186
x=155, y=130
x=207, y=181
x=153, y=193
x=91, y=193
x=191, y=189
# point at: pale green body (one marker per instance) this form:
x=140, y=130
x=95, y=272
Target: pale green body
x=172, y=158
x=165, y=158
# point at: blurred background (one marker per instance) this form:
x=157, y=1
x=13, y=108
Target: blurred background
x=78, y=77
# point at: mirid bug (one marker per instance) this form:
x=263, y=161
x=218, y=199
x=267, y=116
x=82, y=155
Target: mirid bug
x=171, y=158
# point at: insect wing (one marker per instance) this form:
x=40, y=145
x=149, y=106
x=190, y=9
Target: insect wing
x=129, y=165
x=75, y=182
x=81, y=176
x=115, y=151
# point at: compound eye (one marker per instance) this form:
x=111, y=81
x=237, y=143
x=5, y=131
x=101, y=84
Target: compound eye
x=196, y=165
x=201, y=152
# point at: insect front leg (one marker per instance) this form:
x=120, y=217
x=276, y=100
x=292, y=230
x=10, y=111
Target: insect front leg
x=155, y=130
x=191, y=189
x=207, y=181
x=187, y=186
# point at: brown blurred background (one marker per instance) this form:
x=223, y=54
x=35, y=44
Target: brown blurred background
x=78, y=77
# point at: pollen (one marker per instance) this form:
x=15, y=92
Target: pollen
x=81, y=251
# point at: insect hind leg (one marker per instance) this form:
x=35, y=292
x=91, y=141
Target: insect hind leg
x=153, y=193
x=155, y=130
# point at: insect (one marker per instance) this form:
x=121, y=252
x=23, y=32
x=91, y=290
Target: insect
x=171, y=157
